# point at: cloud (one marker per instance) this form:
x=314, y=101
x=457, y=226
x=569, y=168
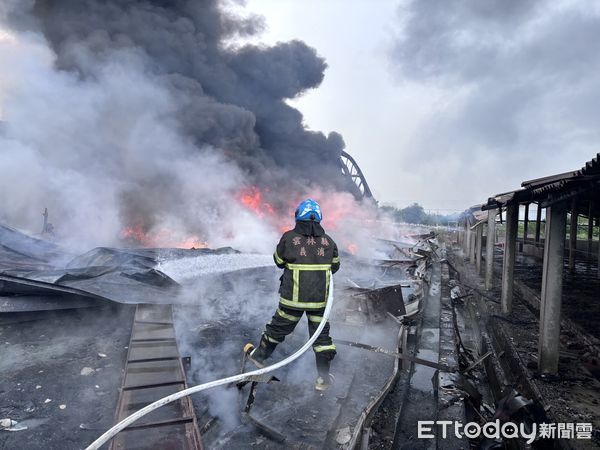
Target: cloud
x=516, y=82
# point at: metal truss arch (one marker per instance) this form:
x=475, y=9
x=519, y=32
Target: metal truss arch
x=358, y=182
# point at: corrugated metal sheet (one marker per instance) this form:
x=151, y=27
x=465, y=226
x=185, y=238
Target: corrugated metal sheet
x=560, y=187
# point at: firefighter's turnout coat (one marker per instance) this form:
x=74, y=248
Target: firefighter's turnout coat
x=306, y=254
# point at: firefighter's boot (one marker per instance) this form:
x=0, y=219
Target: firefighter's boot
x=324, y=379
x=322, y=384
x=258, y=354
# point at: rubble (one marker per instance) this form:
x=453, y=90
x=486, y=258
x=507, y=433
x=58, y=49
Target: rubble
x=11, y=425
x=391, y=295
x=36, y=275
x=343, y=436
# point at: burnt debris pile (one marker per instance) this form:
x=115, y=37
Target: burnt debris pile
x=38, y=275
x=375, y=303
x=214, y=313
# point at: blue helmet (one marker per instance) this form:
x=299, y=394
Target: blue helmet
x=308, y=210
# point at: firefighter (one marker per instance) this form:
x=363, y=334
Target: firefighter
x=306, y=254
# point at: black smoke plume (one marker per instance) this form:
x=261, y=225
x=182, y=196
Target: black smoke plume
x=162, y=113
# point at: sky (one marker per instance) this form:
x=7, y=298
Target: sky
x=448, y=103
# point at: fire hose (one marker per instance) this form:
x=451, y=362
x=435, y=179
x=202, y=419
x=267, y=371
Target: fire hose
x=112, y=432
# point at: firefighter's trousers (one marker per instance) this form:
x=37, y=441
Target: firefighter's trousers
x=283, y=323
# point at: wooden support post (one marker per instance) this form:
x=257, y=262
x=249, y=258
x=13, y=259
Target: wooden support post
x=599, y=255
x=549, y=340
x=467, y=243
x=573, y=234
x=45, y=225
x=525, y=223
x=472, y=245
x=489, y=249
x=478, y=247
x=590, y=233
x=510, y=250
x=538, y=224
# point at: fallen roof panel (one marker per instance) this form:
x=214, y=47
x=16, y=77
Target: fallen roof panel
x=34, y=267
x=30, y=303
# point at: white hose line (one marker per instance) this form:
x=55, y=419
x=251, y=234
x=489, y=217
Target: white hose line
x=108, y=435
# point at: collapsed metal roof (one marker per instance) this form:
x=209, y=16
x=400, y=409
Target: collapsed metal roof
x=583, y=183
x=38, y=275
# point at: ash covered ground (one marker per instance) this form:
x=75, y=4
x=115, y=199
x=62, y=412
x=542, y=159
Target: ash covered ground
x=77, y=356
x=61, y=370
x=214, y=333
x=73, y=358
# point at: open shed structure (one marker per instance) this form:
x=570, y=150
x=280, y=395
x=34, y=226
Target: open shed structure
x=561, y=203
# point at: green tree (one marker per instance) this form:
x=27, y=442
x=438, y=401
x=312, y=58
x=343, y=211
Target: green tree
x=414, y=214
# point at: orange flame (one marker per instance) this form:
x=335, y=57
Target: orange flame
x=337, y=207
x=165, y=238
x=252, y=198
x=352, y=248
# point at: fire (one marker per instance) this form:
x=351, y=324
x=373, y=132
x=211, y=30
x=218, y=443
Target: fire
x=341, y=212
x=136, y=234
x=338, y=208
x=252, y=198
x=191, y=242
x=163, y=237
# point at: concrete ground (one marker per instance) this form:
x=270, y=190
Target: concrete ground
x=59, y=375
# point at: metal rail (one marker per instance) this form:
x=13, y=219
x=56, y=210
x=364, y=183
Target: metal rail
x=154, y=370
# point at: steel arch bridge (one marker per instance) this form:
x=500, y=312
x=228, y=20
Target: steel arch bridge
x=357, y=181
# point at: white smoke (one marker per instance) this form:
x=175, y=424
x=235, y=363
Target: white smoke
x=146, y=130
x=80, y=146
